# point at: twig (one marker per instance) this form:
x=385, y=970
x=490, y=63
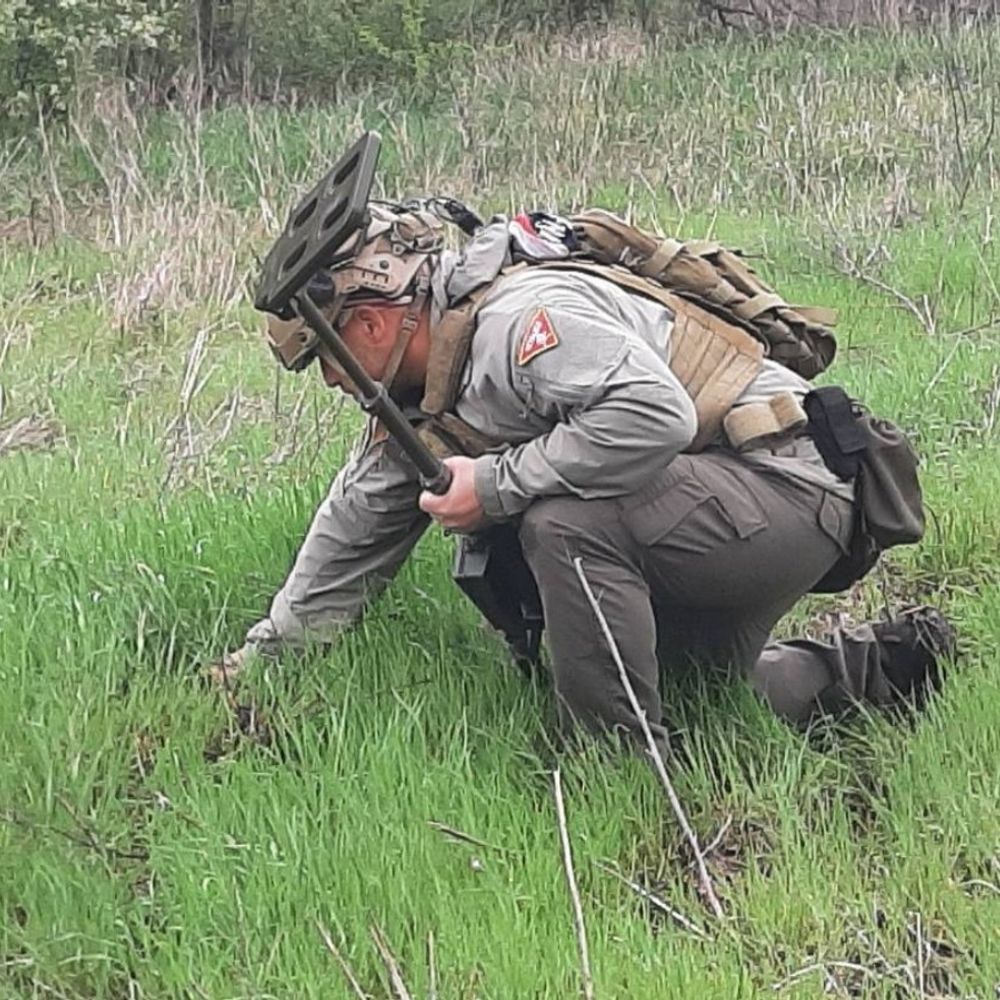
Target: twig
x=825, y=967
x=432, y=976
x=959, y=337
x=980, y=883
x=923, y=312
x=655, y=901
x=574, y=892
x=465, y=838
x=919, y=935
x=342, y=962
x=399, y=989
x=704, y=879
x=86, y=838
x=717, y=839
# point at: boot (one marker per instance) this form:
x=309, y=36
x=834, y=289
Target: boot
x=911, y=646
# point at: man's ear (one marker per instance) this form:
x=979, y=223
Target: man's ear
x=374, y=323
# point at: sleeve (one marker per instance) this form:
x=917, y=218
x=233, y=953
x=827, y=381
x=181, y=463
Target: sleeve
x=616, y=412
x=360, y=535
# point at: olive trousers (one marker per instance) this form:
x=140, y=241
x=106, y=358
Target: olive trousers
x=697, y=566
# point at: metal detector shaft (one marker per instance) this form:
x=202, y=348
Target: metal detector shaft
x=435, y=476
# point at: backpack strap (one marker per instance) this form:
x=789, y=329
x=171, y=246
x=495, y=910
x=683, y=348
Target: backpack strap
x=447, y=434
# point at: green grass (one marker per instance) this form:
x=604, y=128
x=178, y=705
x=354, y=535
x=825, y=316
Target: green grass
x=149, y=848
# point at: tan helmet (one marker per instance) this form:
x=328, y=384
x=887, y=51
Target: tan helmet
x=390, y=263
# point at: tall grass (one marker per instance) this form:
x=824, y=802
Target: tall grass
x=161, y=476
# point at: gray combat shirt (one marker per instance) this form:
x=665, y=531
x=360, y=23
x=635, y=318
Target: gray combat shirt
x=571, y=372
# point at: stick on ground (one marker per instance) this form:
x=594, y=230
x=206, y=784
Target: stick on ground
x=342, y=962
x=704, y=879
x=654, y=901
x=399, y=988
x=432, y=990
x=574, y=892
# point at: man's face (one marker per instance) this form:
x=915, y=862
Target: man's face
x=370, y=332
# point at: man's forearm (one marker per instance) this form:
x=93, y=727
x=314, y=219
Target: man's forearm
x=606, y=450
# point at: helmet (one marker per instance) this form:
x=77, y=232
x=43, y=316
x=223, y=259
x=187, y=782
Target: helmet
x=387, y=261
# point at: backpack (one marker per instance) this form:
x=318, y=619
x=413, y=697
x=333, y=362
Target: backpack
x=717, y=279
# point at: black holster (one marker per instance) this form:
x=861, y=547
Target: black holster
x=491, y=571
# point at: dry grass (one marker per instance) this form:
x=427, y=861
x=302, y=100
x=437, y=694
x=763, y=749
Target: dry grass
x=33, y=433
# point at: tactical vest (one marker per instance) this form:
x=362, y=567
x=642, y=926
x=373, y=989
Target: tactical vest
x=714, y=360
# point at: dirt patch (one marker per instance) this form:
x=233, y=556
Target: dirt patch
x=34, y=433
x=740, y=844
x=247, y=725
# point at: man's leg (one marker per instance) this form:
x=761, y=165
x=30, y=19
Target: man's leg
x=722, y=551
x=708, y=533
x=880, y=665
x=588, y=689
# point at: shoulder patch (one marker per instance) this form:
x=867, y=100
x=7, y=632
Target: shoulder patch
x=539, y=336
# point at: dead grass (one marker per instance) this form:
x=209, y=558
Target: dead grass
x=32, y=433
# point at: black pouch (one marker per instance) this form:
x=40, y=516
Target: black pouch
x=833, y=425
x=491, y=570
x=877, y=455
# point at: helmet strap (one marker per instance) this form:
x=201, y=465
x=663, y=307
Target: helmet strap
x=408, y=327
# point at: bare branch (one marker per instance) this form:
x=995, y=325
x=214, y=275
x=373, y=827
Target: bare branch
x=574, y=892
x=399, y=988
x=432, y=986
x=654, y=901
x=704, y=879
x=342, y=962
x=923, y=310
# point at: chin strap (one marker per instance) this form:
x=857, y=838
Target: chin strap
x=408, y=327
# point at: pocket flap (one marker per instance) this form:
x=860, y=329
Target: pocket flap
x=650, y=520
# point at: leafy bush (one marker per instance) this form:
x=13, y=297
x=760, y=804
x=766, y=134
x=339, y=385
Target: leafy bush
x=323, y=48
x=46, y=45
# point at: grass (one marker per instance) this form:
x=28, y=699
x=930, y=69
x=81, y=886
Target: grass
x=149, y=847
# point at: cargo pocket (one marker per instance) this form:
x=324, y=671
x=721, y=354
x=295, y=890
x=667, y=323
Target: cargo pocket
x=696, y=515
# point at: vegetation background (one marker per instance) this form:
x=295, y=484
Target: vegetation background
x=390, y=802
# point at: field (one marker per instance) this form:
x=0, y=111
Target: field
x=156, y=474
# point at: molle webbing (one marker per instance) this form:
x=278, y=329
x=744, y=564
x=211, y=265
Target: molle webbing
x=449, y=351
x=715, y=362
x=719, y=279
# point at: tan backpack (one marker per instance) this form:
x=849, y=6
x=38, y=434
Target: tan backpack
x=717, y=279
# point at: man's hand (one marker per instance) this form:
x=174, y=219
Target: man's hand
x=459, y=509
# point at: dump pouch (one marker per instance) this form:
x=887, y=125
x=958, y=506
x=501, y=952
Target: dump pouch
x=879, y=458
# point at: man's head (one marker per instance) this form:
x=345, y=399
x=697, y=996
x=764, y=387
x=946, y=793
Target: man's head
x=376, y=296
x=373, y=332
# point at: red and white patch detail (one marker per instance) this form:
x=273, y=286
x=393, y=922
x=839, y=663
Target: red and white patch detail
x=539, y=337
